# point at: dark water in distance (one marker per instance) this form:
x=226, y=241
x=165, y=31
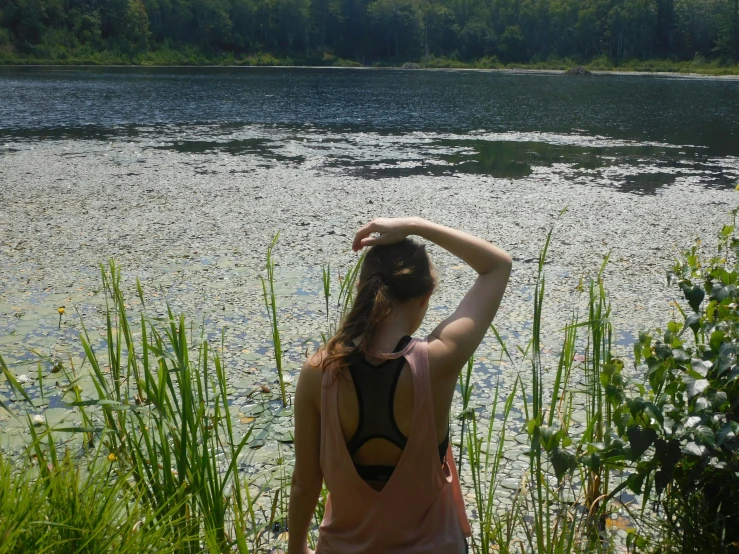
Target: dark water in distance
x=501, y=124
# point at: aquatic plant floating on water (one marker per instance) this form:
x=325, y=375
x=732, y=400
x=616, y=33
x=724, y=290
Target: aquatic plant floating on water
x=60, y=309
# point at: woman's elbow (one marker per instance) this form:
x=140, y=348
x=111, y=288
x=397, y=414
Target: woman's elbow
x=305, y=485
x=507, y=263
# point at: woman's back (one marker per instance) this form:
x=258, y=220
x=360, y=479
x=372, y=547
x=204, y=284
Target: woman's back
x=360, y=407
x=375, y=407
x=419, y=509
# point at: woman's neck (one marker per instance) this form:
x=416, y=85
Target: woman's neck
x=395, y=328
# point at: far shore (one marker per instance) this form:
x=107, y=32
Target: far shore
x=522, y=70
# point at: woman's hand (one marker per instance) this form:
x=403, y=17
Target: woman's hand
x=389, y=231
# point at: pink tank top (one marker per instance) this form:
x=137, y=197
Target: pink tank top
x=420, y=510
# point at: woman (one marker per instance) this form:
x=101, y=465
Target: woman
x=372, y=407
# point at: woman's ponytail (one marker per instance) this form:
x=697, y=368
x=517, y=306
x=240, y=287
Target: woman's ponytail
x=381, y=307
x=396, y=272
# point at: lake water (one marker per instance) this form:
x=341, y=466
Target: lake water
x=184, y=176
x=636, y=133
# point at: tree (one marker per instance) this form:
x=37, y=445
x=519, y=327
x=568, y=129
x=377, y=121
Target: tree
x=372, y=30
x=728, y=41
x=213, y=21
x=512, y=44
x=477, y=40
x=85, y=26
x=293, y=17
x=135, y=27
x=396, y=26
x=325, y=16
x=665, y=40
x=442, y=30
x=698, y=23
x=25, y=21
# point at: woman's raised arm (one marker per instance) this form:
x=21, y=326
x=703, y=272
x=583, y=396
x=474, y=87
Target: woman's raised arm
x=458, y=336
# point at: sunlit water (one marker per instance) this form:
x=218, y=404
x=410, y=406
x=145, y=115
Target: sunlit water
x=635, y=133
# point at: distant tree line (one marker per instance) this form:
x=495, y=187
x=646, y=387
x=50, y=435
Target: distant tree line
x=378, y=30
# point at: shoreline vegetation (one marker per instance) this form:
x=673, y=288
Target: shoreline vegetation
x=677, y=36
x=158, y=451
x=568, y=66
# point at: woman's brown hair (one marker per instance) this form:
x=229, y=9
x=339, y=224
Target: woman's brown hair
x=390, y=273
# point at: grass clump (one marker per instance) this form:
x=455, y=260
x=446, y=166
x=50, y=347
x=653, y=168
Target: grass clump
x=71, y=509
x=161, y=423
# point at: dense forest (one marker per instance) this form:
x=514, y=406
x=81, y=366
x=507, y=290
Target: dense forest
x=372, y=31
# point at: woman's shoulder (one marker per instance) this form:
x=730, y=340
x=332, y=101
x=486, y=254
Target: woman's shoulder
x=316, y=358
x=314, y=364
x=443, y=359
x=310, y=381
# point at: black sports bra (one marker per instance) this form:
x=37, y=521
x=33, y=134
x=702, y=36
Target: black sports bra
x=375, y=386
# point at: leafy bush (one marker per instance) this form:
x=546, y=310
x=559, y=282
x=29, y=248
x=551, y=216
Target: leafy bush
x=602, y=63
x=445, y=63
x=681, y=433
x=341, y=62
x=267, y=59
x=488, y=62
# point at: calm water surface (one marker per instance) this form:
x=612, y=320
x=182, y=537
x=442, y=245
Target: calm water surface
x=639, y=133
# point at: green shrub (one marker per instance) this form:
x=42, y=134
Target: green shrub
x=488, y=62
x=341, y=62
x=265, y=59
x=446, y=63
x=601, y=63
x=681, y=432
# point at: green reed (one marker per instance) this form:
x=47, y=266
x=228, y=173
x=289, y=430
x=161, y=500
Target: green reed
x=485, y=470
x=540, y=500
x=160, y=414
x=466, y=390
x=553, y=449
x=169, y=429
x=598, y=360
x=344, y=296
x=347, y=288
x=326, y=279
x=540, y=520
x=270, y=302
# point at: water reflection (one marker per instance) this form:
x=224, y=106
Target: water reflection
x=262, y=147
x=629, y=166
x=643, y=169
